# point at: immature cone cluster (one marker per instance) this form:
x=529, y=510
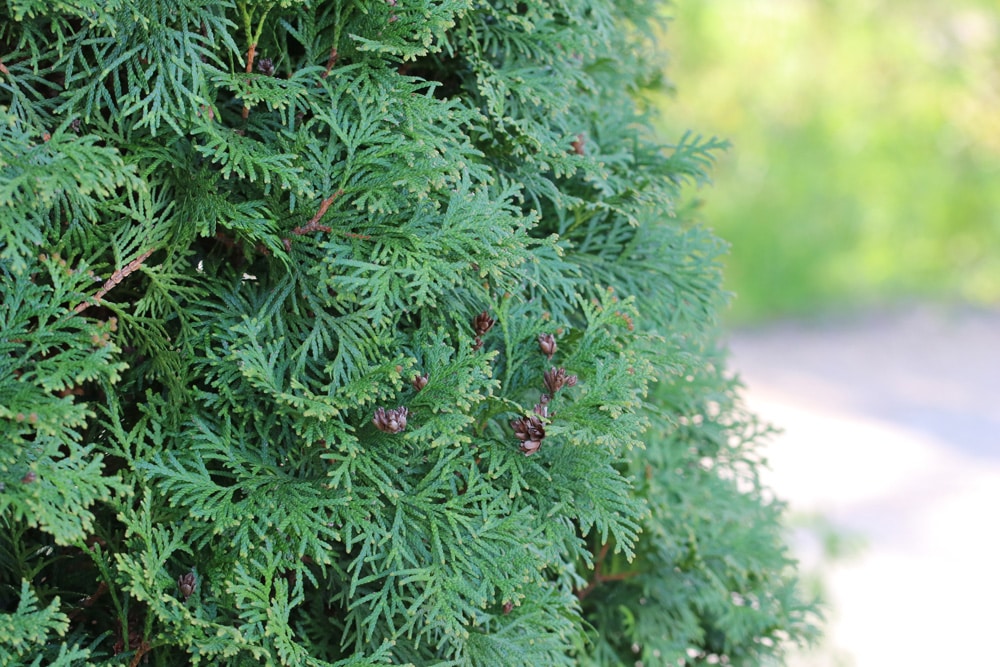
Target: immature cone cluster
x=556, y=379
x=390, y=421
x=530, y=431
x=481, y=323
x=547, y=344
x=186, y=582
x=265, y=66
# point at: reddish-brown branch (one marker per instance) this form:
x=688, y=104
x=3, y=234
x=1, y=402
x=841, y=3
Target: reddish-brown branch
x=3, y=68
x=330, y=62
x=585, y=591
x=601, y=556
x=102, y=588
x=600, y=578
x=251, y=52
x=139, y=653
x=313, y=225
x=116, y=277
x=89, y=601
x=619, y=576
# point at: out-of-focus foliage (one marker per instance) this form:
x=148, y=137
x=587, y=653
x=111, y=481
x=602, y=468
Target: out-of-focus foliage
x=866, y=134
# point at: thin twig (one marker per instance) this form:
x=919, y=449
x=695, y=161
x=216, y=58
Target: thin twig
x=585, y=591
x=313, y=225
x=89, y=601
x=600, y=578
x=619, y=576
x=601, y=556
x=143, y=649
x=330, y=62
x=251, y=52
x=116, y=277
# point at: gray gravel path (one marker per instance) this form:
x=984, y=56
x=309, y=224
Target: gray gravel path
x=892, y=432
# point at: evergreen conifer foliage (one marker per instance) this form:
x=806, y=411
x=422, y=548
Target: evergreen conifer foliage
x=353, y=332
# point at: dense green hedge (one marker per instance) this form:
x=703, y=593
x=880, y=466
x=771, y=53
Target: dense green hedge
x=361, y=333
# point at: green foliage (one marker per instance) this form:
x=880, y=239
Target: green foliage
x=242, y=241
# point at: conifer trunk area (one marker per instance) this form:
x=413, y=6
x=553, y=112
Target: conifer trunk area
x=366, y=332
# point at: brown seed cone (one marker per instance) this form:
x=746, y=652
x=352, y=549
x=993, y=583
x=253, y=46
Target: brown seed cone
x=547, y=345
x=186, y=582
x=265, y=66
x=556, y=378
x=529, y=447
x=530, y=431
x=390, y=421
x=483, y=323
x=419, y=381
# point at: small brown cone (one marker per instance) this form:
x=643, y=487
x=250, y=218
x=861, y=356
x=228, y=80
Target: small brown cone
x=556, y=378
x=547, y=345
x=390, y=421
x=530, y=431
x=483, y=323
x=186, y=583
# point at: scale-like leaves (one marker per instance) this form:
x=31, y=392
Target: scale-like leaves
x=329, y=337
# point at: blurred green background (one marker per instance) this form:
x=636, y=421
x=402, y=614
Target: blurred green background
x=865, y=159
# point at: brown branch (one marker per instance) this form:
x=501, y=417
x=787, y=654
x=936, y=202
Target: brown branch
x=251, y=52
x=585, y=591
x=600, y=557
x=89, y=601
x=112, y=282
x=603, y=578
x=143, y=649
x=313, y=225
x=3, y=68
x=620, y=576
x=102, y=588
x=330, y=62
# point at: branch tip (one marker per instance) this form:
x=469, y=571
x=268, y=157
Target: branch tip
x=116, y=277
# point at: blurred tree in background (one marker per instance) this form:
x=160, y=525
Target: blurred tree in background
x=866, y=147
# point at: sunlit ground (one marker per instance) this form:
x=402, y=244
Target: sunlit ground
x=862, y=200
x=890, y=461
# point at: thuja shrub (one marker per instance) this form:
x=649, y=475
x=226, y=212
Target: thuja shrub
x=365, y=332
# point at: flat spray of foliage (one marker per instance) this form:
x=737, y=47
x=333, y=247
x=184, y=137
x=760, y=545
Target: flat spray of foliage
x=360, y=333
